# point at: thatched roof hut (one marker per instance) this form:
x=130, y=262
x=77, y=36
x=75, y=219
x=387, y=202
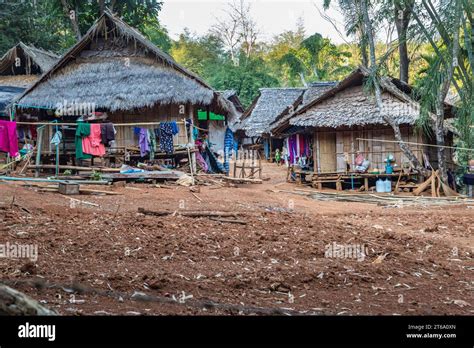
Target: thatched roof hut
x=115, y=68
x=314, y=90
x=270, y=103
x=22, y=60
x=20, y=67
x=348, y=104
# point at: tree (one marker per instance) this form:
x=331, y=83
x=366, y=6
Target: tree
x=238, y=31
x=403, y=10
x=50, y=24
x=354, y=24
x=316, y=59
x=448, y=65
x=374, y=80
x=281, y=45
x=246, y=78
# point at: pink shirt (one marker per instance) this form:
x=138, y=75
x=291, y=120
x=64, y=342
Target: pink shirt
x=8, y=138
x=92, y=144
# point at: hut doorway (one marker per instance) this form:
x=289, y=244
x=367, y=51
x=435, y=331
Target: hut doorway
x=326, y=154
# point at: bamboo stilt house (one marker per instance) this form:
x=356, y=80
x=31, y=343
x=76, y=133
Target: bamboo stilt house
x=272, y=106
x=115, y=70
x=20, y=67
x=345, y=120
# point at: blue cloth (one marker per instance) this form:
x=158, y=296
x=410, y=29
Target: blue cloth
x=266, y=147
x=228, y=147
x=214, y=165
x=166, y=136
x=174, y=127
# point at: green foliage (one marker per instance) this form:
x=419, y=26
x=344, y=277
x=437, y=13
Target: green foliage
x=316, y=59
x=246, y=78
x=45, y=24
x=97, y=176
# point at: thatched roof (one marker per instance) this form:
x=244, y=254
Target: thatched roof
x=14, y=77
x=231, y=95
x=347, y=104
x=116, y=68
x=266, y=107
x=314, y=90
x=7, y=94
x=33, y=61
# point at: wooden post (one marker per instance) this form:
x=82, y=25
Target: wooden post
x=366, y=184
x=39, y=148
x=189, y=152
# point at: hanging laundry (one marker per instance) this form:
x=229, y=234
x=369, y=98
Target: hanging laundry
x=302, y=152
x=266, y=148
x=167, y=130
x=143, y=142
x=214, y=165
x=228, y=147
x=33, y=132
x=56, y=139
x=92, y=144
x=152, y=140
x=107, y=133
x=201, y=162
x=175, y=128
x=83, y=130
x=8, y=138
x=292, y=143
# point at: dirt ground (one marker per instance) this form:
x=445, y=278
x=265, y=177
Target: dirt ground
x=111, y=260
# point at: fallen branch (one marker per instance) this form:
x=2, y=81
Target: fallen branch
x=188, y=213
x=13, y=302
x=241, y=222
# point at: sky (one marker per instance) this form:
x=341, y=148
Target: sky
x=272, y=16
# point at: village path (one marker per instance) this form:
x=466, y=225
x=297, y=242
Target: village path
x=109, y=259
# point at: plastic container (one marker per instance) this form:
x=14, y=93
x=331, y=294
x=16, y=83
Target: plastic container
x=380, y=186
x=387, y=185
x=388, y=168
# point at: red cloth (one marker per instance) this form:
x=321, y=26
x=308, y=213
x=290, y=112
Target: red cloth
x=302, y=146
x=8, y=138
x=92, y=144
x=33, y=131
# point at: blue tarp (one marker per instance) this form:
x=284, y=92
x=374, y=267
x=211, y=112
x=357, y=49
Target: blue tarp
x=7, y=94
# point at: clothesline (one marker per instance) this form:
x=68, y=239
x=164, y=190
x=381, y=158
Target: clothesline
x=115, y=124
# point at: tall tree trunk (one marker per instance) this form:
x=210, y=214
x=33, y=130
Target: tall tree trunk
x=378, y=92
x=363, y=51
x=101, y=7
x=72, y=15
x=403, y=11
x=443, y=92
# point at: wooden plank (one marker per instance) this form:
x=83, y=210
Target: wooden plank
x=327, y=144
x=423, y=186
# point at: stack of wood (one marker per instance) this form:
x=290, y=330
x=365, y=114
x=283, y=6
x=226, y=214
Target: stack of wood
x=435, y=183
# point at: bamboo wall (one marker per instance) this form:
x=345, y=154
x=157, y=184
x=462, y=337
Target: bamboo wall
x=161, y=113
x=332, y=147
x=125, y=135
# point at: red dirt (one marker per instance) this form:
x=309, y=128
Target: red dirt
x=275, y=261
